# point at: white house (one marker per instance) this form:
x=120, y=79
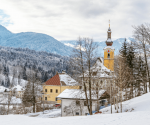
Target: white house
x=18, y=91
x=73, y=102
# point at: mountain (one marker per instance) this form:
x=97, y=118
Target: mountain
x=43, y=42
x=116, y=44
x=4, y=33
x=19, y=62
x=34, y=41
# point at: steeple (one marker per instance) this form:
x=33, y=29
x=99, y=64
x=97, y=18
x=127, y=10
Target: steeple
x=109, y=42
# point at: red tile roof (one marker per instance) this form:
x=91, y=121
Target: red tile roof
x=53, y=81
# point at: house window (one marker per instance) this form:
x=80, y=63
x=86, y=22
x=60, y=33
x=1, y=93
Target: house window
x=45, y=98
x=77, y=103
x=45, y=90
x=51, y=90
x=86, y=113
x=77, y=113
x=56, y=90
x=108, y=56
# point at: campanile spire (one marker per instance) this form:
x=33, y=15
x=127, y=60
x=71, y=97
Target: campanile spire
x=109, y=51
x=109, y=42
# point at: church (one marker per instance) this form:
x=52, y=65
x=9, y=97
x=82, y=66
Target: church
x=100, y=80
x=102, y=72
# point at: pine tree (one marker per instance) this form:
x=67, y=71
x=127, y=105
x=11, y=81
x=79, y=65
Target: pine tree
x=27, y=96
x=127, y=53
x=44, y=77
x=131, y=64
x=5, y=70
x=2, y=83
x=7, y=81
x=24, y=74
x=123, y=51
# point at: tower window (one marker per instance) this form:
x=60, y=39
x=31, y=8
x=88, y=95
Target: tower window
x=108, y=56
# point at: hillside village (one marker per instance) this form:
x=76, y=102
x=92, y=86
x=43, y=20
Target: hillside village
x=94, y=86
x=74, y=62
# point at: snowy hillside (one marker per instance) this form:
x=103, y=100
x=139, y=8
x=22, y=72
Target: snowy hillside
x=139, y=116
x=35, y=41
x=46, y=63
x=141, y=103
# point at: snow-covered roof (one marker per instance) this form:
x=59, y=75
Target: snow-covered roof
x=67, y=79
x=2, y=88
x=99, y=70
x=61, y=79
x=77, y=94
x=99, y=65
x=109, y=47
x=18, y=88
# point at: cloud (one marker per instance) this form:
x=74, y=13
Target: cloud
x=4, y=19
x=68, y=19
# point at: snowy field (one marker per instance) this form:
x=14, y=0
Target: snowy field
x=133, y=118
x=47, y=114
x=140, y=115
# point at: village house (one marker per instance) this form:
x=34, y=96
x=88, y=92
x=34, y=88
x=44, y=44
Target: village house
x=73, y=102
x=56, y=85
x=18, y=91
x=6, y=93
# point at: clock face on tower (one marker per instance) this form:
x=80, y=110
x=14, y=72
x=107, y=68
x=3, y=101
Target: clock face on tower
x=108, y=51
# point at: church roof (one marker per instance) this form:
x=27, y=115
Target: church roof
x=98, y=70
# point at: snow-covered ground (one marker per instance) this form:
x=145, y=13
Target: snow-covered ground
x=137, y=104
x=47, y=114
x=140, y=115
x=133, y=118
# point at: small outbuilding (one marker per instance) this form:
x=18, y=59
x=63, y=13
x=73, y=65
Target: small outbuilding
x=73, y=101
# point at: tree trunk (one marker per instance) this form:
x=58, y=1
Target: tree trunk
x=147, y=69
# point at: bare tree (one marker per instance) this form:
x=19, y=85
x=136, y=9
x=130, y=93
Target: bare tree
x=32, y=92
x=122, y=78
x=82, y=60
x=142, y=35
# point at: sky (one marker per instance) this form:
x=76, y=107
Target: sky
x=69, y=19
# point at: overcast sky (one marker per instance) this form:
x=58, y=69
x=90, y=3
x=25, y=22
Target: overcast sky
x=69, y=19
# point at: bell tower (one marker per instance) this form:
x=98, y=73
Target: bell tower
x=109, y=51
